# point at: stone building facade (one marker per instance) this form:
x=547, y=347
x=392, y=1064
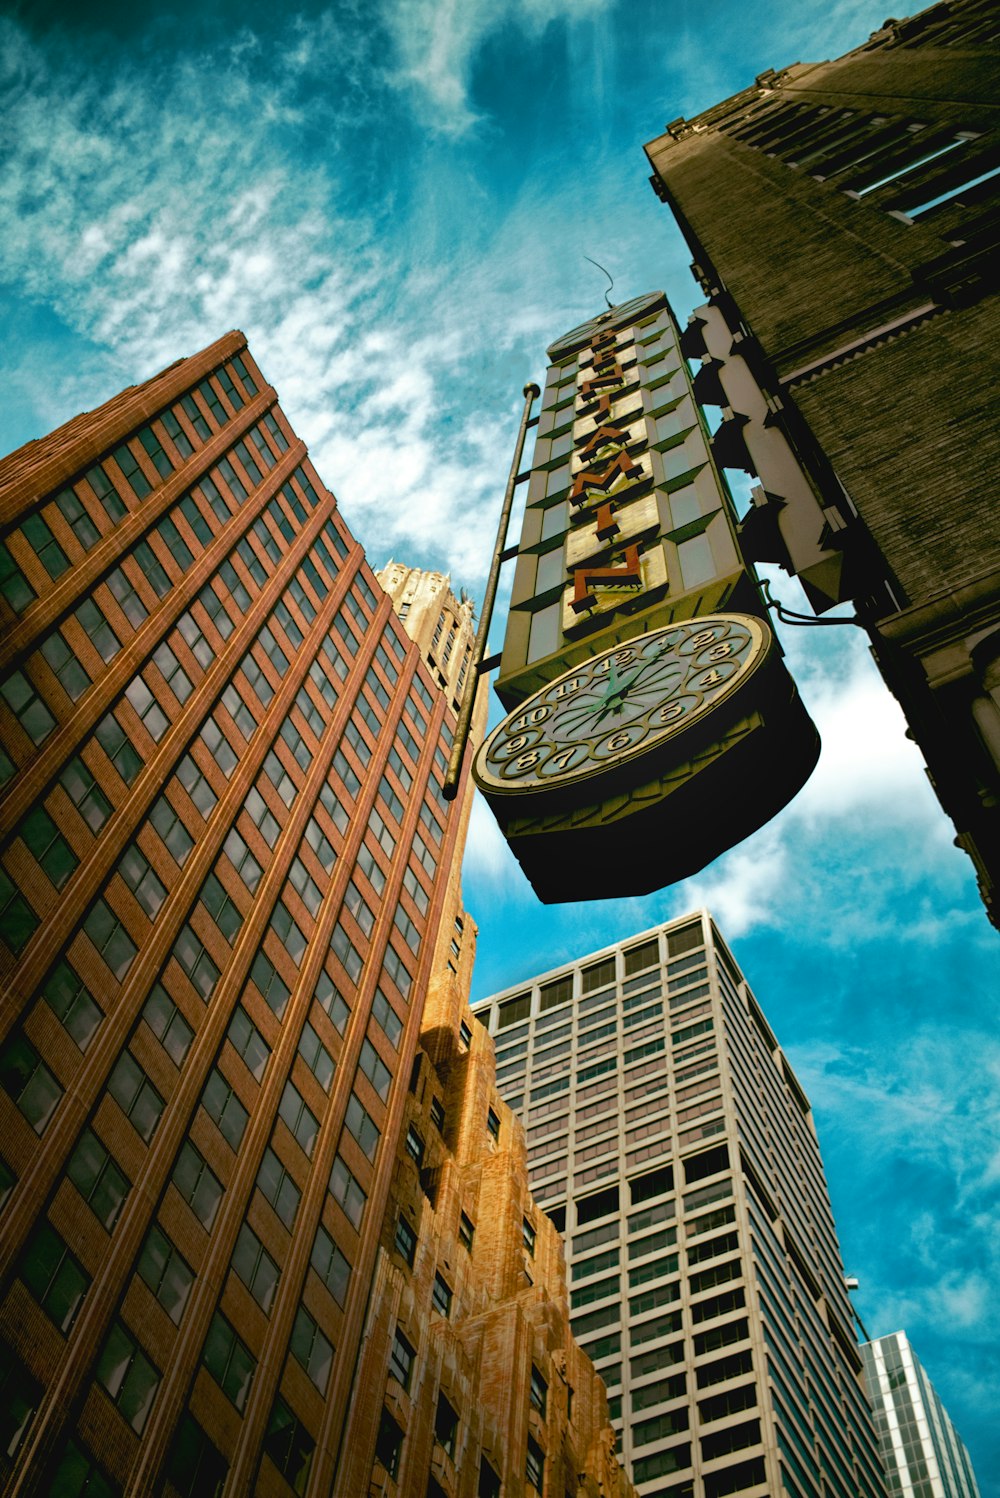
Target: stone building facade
x=441, y=624
x=843, y=218
x=470, y=1384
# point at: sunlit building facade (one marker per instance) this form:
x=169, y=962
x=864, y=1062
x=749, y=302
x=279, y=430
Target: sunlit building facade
x=923, y=1454
x=672, y=1145
x=224, y=866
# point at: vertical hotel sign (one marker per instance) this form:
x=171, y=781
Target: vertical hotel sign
x=651, y=720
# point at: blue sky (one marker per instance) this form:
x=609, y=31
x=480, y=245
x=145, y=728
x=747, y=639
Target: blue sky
x=394, y=200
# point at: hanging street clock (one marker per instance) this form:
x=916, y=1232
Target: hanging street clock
x=652, y=722
x=637, y=768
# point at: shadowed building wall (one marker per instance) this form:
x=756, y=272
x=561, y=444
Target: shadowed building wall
x=844, y=220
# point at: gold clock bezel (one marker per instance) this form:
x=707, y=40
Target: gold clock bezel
x=618, y=760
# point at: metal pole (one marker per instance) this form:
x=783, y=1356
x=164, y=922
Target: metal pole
x=450, y=787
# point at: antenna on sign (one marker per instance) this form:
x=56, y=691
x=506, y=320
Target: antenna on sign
x=611, y=281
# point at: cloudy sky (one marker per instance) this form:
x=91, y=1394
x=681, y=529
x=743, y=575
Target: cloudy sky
x=394, y=199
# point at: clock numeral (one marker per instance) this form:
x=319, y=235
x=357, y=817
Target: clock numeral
x=561, y=760
x=532, y=715
x=671, y=711
x=566, y=687
x=703, y=637
x=518, y=743
x=720, y=651
x=625, y=657
x=712, y=678
x=619, y=740
x=526, y=761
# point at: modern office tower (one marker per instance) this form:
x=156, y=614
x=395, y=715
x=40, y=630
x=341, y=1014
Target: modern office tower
x=923, y=1454
x=469, y=1381
x=672, y=1145
x=225, y=864
x=843, y=219
x=442, y=625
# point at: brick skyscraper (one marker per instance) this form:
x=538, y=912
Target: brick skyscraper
x=844, y=220
x=225, y=860
x=670, y=1140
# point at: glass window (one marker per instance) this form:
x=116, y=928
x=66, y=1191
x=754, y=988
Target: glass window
x=198, y=1185
x=221, y=907
x=166, y=1272
x=513, y=1010
x=14, y=586
x=127, y=1375
x=414, y=1145
x=72, y=1003
x=289, y=1445
x=56, y=1279
x=18, y=922
x=272, y=987
x=195, y=1466
x=98, y=1179
x=539, y=1392
x=388, y=1443
x=299, y=1118
x=68, y=671
x=189, y=950
x=138, y=874
x=135, y=1095
x=255, y=1267
x=174, y=835
x=97, y=629
x=29, y=1082
x=224, y=1108
x=249, y=1043
x=85, y=794
x=229, y=1361
x=441, y=1295
x=345, y=1190
x=44, y=544
x=128, y=600
x=401, y=1359
x=534, y=1468
x=277, y=1186
x=406, y=1239
x=312, y=1349
x=118, y=747
x=26, y=705
x=375, y=1069
x=330, y=1264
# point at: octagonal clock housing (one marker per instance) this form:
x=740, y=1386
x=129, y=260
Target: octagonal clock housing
x=639, y=766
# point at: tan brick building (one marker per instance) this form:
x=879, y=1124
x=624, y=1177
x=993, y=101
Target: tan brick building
x=843, y=218
x=225, y=860
x=228, y=885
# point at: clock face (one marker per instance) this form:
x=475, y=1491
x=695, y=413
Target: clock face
x=616, y=317
x=622, y=704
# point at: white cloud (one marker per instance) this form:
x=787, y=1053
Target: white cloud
x=488, y=858
x=436, y=43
